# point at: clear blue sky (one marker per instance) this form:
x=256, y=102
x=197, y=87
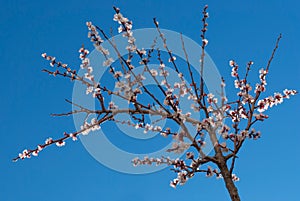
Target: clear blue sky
x=240, y=30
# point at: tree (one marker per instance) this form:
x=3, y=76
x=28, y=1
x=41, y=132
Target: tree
x=226, y=124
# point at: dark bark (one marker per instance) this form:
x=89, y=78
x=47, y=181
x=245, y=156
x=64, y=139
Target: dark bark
x=231, y=188
x=222, y=165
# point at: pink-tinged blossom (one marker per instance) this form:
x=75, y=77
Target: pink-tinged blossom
x=157, y=128
x=179, y=148
x=148, y=127
x=210, y=109
x=260, y=116
x=219, y=176
x=262, y=105
x=74, y=137
x=174, y=183
x=153, y=72
x=210, y=96
x=21, y=156
x=83, y=53
x=274, y=100
x=234, y=70
x=104, y=51
x=138, y=125
x=89, y=90
x=211, y=99
x=35, y=153
x=97, y=91
x=142, y=51
x=190, y=155
x=234, y=116
x=52, y=62
x=108, y=62
x=182, y=177
x=260, y=88
x=85, y=129
x=224, y=129
x=120, y=84
x=136, y=161
x=164, y=73
x=234, y=178
x=243, y=134
x=85, y=63
x=242, y=112
x=89, y=76
x=48, y=141
x=40, y=148
x=287, y=93
x=120, y=29
x=256, y=135
x=118, y=74
x=188, y=114
x=237, y=84
x=44, y=55
x=25, y=154
x=118, y=17
x=173, y=58
x=94, y=35
x=204, y=42
x=262, y=76
x=247, y=87
x=90, y=69
x=127, y=76
x=226, y=107
x=176, y=85
x=126, y=29
x=95, y=125
x=112, y=105
x=192, y=97
x=247, y=99
x=278, y=98
x=60, y=143
x=164, y=134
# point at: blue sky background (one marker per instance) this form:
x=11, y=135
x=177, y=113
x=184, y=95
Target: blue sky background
x=240, y=30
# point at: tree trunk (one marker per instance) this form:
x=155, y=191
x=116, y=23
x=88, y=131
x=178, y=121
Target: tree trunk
x=231, y=188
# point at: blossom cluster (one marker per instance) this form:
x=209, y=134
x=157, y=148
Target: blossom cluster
x=125, y=28
x=88, y=127
x=149, y=161
x=85, y=129
x=85, y=64
x=95, y=37
x=270, y=101
x=185, y=172
x=58, y=64
x=214, y=125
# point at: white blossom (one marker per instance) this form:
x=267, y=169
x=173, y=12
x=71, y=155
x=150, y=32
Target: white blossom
x=153, y=72
x=231, y=63
x=205, y=41
x=108, y=62
x=73, y=136
x=89, y=90
x=60, y=143
x=235, y=178
x=173, y=58
x=48, y=141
